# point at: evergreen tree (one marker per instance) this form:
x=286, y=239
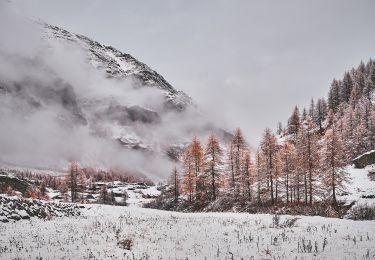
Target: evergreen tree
x=269, y=149
x=72, y=180
x=312, y=109
x=359, y=77
x=370, y=81
x=213, y=165
x=288, y=164
x=247, y=176
x=321, y=113
x=371, y=131
x=310, y=156
x=294, y=123
x=334, y=176
x=334, y=95
x=197, y=156
x=279, y=128
x=238, y=148
x=103, y=195
x=346, y=88
x=355, y=96
x=259, y=174
x=189, y=176
x=175, y=183
x=360, y=140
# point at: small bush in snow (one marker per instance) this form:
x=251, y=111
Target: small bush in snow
x=125, y=244
x=362, y=212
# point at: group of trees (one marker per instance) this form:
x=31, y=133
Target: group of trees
x=202, y=170
x=76, y=181
x=304, y=169
x=303, y=162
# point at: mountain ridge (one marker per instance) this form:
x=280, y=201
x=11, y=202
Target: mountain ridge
x=119, y=65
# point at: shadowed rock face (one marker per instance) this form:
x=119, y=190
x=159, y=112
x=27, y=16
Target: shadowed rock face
x=364, y=160
x=14, y=209
x=13, y=182
x=127, y=115
x=139, y=114
x=38, y=94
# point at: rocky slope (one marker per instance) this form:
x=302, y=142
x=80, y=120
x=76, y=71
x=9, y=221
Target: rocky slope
x=85, y=94
x=121, y=65
x=14, y=209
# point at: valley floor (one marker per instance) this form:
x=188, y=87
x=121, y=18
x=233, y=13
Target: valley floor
x=102, y=231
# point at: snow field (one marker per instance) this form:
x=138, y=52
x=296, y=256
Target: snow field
x=155, y=234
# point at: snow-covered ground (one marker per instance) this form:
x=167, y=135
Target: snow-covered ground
x=361, y=190
x=137, y=195
x=169, y=235
x=101, y=231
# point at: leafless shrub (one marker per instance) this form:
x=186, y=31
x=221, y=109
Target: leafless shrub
x=362, y=212
x=287, y=223
x=126, y=243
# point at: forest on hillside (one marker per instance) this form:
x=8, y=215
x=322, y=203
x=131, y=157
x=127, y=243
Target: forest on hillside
x=301, y=166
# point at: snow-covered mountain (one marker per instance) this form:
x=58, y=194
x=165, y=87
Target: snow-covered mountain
x=120, y=65
x=65, y=93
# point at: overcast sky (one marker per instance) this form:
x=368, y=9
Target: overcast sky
x=245, y=62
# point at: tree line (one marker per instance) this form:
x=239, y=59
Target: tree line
x=302, y=163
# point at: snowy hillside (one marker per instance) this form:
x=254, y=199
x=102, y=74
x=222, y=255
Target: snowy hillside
x=89, y=93
x=361, y=190
x=16, y=209
x=120, y=65
x=108, y=232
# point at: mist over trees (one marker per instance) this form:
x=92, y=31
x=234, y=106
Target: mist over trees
x=302, y=163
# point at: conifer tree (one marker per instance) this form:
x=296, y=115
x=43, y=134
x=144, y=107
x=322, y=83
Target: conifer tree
x=197, y=156
x=239, y=147
x=103, y=194
x=287, y=153
x=247, y=176
x=321, y=113
x=335, y=177
x=360, y=139
x=309, y=154
x=334, y=95
x=294, y=123
x=213, y=165
x=346, y=88
x=269, y=149
x=312, y=109
x=279, y=128
x=72, y=180
x=175, y=183
x=370, y=81
x=259, y=174
x=189, y=176
x=371, y=131
x=355, y=96
x=231, y=169
x=277, y=172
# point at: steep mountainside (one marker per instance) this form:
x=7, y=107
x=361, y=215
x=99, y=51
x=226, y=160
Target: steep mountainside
x=91, y=100
x=121, y=65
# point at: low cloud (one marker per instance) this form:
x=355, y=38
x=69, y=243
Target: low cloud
x=43, y=85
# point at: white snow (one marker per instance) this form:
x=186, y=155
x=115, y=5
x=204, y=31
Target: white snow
x=125, y=66
x=169, y=235
x=136, y=196
x=360, y=187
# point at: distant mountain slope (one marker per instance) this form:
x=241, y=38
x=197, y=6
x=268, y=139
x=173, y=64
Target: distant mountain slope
x=76, y=99
x=121, y=65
